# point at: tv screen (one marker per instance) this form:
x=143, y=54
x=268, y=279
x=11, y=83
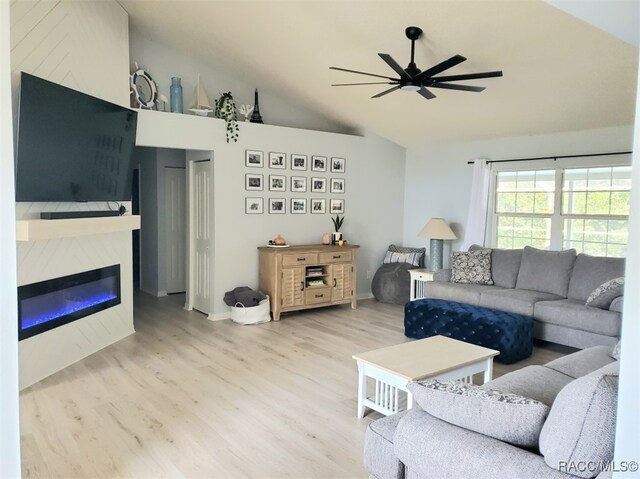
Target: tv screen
x=72, y=146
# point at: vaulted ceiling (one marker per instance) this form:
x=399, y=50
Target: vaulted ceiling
x=560, y=73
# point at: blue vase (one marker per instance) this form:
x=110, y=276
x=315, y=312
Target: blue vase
x=175, y=92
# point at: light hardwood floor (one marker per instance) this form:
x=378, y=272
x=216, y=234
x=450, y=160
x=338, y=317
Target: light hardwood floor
x=186, y=397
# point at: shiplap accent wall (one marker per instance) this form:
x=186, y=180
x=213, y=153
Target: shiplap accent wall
x=83, y=45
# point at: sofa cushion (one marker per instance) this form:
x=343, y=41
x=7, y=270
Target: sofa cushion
x=603, y=295
x=463, y=293
x=508, y=417
x=589, y=272
x=520, y=301
x=505, y=265
x=535, y=382
x=546, y=271
x=582, y=423
x=582, y=362
x=378, y=457
x=471, y=267
x=615, y=352
x=572, y=313
x=617, y=304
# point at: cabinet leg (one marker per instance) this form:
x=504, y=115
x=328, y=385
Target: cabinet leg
x=276, y=315
x=354, y=303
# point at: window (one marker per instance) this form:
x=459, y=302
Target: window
x=582, y=208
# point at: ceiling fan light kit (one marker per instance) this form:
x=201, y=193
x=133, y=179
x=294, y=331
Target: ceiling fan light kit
x=415, y=80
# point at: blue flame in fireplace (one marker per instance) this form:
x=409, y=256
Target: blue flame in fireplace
x=64, y=309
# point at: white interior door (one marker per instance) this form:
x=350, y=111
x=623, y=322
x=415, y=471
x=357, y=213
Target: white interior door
x=175, y=211
x=201, y=233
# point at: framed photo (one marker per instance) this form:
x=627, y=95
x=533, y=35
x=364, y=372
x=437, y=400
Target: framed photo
x=278, y=160
x=253, y=206
x=277, y=183
x=277, y=206
x=298, y=162
x=298, y=184
x=336, y=206
x=298, y=205
x=318, y=163
x=337, y=185
x=338, y=165
x=318, y=185
x=254, y=158
x=319, y=206
x=253, y=182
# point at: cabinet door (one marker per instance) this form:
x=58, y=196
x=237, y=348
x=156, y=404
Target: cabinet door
x=292, y=287
x=342, y=282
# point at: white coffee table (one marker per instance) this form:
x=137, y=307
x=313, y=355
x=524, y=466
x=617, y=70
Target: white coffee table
x=437, y=357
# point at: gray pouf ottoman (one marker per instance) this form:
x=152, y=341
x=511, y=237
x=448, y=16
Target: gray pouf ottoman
x=392, y=283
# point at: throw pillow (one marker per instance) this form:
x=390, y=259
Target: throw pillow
x=472, y=267
x=507, y=417
x=604, y=294
x=402, y=254
x=581, y=426
x=615, y=354
x=546, y=271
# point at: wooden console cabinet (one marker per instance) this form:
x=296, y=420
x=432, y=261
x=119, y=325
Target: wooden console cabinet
x=303, y=277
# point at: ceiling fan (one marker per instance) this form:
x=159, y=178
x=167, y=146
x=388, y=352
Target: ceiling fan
x=413, y=79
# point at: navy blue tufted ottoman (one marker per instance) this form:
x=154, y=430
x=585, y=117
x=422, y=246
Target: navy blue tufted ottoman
x=509, y=333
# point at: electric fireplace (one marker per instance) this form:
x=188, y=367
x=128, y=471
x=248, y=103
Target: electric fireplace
x=48, y=304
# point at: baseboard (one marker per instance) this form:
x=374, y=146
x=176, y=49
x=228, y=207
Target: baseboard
x=362, y=296
x=219, y=316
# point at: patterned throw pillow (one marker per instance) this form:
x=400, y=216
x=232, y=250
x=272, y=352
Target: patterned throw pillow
x=471, y=267
x=604, y=294
x=508, y=417
x=404, y=254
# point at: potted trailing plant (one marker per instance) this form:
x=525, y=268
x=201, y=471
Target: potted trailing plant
x=226, y=110
x=337, y=224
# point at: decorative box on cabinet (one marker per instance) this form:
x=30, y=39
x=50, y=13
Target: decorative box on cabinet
x=303, y=277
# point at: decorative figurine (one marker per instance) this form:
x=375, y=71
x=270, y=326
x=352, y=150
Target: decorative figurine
x=256, y=117
x=245, y=110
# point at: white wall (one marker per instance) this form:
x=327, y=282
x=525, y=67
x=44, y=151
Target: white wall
x=628, y=422
x=438, y=178
x=85, y=46
x=9, y=416
x=373, y=199
x=164, y=62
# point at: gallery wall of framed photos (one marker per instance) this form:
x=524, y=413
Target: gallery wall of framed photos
x=314, y=184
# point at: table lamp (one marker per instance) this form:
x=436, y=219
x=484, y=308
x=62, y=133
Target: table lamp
x=437, y=230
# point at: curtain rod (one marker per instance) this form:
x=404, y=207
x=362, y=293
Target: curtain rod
x=554, y=158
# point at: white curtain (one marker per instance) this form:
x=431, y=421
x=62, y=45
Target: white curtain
x=476, y=226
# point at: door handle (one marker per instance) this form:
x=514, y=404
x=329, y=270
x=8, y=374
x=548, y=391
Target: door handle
x=335, y=283
x=301, y=285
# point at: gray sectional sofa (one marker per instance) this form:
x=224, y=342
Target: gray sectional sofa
x=560, y=425
x=551, y=287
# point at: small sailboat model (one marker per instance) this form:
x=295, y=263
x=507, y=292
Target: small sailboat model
x=202, y=106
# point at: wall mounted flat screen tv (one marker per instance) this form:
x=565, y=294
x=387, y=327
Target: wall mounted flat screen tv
x=72, y=146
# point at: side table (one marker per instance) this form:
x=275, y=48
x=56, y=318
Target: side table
x=418, y=278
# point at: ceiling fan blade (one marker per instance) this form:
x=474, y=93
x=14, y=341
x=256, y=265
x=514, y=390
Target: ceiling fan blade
x=426, y=93
x=468, y=76
x=452, y=86
x=367, y=83
x=386, y=92
x=362, y=73
x=392, y=63
x=440, y=67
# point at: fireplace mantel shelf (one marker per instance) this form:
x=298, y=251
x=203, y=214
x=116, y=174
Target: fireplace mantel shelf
x=36, y=229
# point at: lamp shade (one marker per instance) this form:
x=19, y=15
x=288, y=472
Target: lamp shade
x=437, y=228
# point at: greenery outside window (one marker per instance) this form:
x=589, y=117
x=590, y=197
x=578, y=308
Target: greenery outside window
x=582, y=208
